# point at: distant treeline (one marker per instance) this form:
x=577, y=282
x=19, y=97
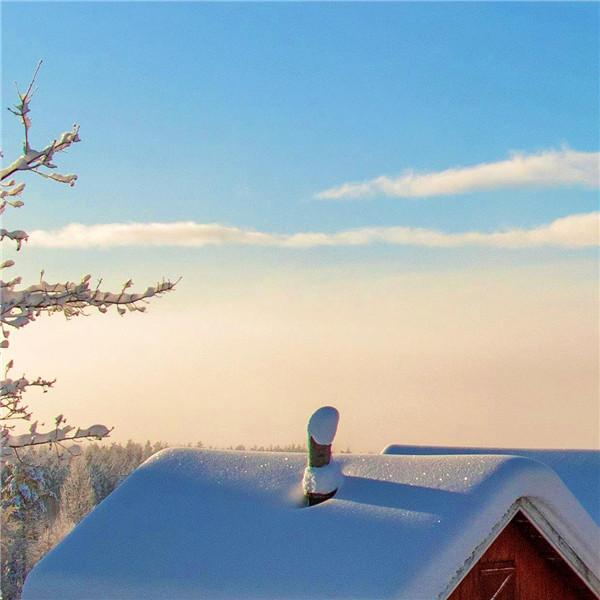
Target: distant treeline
x=46, y=491
x=270, y=448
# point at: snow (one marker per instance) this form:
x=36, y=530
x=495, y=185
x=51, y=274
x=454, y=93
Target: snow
x=194, y=523
x=579, y=469
x=323, y=425
x=58, y=434
x=322, y=480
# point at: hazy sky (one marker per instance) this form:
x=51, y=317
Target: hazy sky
x=392, y=208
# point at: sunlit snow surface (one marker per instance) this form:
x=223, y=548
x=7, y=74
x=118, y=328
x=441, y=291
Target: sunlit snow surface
x=323, y=424
x=579, y=469
x=205, y=524
x=322, y=480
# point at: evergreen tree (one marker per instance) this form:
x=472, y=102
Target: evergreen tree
x=23, y=509
x=77, y=496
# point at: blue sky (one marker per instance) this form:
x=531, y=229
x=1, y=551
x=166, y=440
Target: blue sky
x=240, y=114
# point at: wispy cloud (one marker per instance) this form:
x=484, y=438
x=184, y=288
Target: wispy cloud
x=573, y=231
x=545, y=169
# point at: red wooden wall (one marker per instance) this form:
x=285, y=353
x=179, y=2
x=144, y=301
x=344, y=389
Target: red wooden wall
x=521, y=565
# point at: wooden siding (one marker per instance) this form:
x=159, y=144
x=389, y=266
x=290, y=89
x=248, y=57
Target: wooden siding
x=521, y=565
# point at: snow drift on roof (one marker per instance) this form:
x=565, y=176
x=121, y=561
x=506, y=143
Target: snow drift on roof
x=579, y=469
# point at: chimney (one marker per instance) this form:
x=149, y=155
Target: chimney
x=322, y=476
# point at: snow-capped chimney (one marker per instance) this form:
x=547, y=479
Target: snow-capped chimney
x=322, y=476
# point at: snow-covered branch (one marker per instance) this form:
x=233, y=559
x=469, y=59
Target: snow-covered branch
x=31, y=159
x=11, y=395
x=58, y=434
x=12, y=407
x=20, y=306
x=8, y=192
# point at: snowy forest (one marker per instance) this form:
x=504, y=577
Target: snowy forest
x=47, y=492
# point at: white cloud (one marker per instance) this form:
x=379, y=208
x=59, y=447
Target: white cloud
x=574, y=231
x=546, y=169
x=182, y=233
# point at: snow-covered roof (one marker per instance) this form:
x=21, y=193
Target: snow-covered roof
x=579, y=469
x=192, y=523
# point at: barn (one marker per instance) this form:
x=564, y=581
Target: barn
x=423, y=524
x=523, y=561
